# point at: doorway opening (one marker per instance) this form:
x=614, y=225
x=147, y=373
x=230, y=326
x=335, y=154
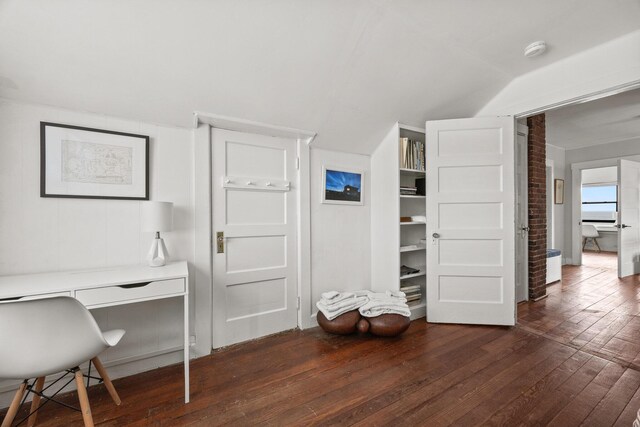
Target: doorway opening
x=599, y=217
x=590, y=204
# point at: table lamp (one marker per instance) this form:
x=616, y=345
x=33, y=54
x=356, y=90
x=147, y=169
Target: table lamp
x=157, y=217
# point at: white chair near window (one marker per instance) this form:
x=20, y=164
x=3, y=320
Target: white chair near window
x=50, y=336
x=590, y=233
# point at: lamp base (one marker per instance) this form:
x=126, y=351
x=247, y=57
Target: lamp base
x=158, y=255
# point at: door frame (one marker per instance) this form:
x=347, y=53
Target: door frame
x=522, y=130
x=587, y=97
x=576, y=202
x=203, y=196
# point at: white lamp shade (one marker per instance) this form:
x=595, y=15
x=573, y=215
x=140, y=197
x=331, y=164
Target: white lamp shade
x=157, y=216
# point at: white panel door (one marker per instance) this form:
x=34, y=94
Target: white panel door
x=254, y=205
x=470, y=221
x=628, y=218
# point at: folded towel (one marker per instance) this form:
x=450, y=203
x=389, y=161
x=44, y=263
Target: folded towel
x=390, y=302
x=331, y=311
x=376, y=308
x=386, y=298
x=396, y=294
x=333, y=296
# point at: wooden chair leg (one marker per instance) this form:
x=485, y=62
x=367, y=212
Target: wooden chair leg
x=35, y=403
x=107, y=381
x=15, y=405
x=595, y=240
x=84, y=400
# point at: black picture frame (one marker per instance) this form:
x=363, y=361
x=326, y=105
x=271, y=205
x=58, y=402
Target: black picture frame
x=144, y=139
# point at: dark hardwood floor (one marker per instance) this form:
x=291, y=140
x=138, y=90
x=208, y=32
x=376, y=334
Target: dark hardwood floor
x=571, y=361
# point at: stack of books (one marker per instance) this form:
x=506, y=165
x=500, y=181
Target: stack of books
x=412, y=154
x=408, y=191
x=413, y=293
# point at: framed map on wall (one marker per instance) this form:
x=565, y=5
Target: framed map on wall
x=88, y=163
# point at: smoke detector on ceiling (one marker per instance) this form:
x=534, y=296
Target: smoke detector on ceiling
x=535, y=49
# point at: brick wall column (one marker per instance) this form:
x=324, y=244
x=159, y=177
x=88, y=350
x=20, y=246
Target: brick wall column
x=536, y=155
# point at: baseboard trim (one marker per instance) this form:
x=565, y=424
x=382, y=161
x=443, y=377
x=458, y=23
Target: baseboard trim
x=539, y=298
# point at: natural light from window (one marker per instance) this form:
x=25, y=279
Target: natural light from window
x=599, y=203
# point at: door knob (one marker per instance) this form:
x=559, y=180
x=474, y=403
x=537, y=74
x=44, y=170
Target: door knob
x=435, y=235
x=525, y=229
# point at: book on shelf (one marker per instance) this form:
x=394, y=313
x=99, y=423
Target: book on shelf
x=413, y=302
x=414, y=297
x=410, y=289
x=404, y=270
x=408, y=191
x=412, y=154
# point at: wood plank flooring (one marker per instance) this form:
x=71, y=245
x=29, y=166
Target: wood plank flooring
x=571, y=361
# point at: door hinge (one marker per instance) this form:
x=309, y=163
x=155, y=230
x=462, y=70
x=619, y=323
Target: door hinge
x=297, y=163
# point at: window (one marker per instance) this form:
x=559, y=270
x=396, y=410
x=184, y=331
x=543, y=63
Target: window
x=599, y=203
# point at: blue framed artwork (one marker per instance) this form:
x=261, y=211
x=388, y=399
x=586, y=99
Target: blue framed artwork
x=342, y=186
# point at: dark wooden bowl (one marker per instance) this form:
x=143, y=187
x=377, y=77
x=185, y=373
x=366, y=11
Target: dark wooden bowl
x=344, y=324
x=388, y=325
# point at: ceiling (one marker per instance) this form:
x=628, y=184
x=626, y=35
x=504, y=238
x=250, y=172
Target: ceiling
x=611, y=119
x=344, y=69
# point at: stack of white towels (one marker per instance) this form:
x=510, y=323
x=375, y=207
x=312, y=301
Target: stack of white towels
x=370, y=304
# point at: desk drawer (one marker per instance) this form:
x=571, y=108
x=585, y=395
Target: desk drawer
x=130, y=292
x=40, y=296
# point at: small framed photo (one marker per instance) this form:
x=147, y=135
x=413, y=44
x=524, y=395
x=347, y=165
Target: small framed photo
x=342, y=186
x=86, y=163
x=558, y=187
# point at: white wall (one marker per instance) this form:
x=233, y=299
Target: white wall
x=340, y=235
x=629, y=149
x=557, y=155
x=51, y=234
x=600, y=68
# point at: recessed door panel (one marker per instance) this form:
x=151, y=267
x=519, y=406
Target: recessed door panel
x=476, y=253
x=466, y=289
x=475, y=179
x=469, y=142
x=246, y=207
x=256, y=298
x=476, y=216
x=258, y=161
x=255, y=253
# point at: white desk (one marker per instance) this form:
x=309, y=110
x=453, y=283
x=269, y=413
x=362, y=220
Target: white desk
x=108, y=287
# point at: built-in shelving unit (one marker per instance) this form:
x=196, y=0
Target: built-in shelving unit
x=396, y=243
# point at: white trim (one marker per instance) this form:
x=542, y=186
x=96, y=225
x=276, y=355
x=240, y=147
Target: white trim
x=305, y=310
x=248, y=126
x=552, y=184
x=625, y=87
x=412, y=128
x=203, y=268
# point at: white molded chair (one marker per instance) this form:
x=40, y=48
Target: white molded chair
x=48, y=336
x=590, y=232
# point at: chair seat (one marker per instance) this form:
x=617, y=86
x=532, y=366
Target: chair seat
x=113, y=336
